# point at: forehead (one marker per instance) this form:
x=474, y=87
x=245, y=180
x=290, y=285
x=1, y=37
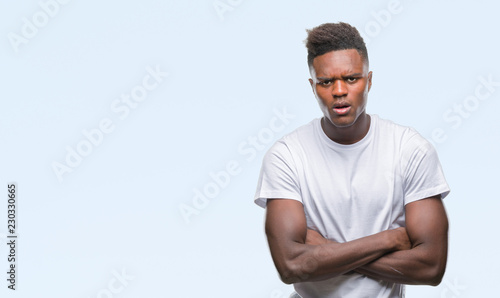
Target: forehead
x=336, y=63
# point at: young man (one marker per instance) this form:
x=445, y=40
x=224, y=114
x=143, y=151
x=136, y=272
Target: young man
x=354, y=202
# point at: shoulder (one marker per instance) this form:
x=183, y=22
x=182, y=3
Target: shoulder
x=416, y=153
x=406, y=137
x=296, y=139
x=291, y=148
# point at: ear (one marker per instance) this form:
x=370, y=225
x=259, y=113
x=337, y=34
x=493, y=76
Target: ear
x=312, y=86
x=312, y=72
x=369, y=80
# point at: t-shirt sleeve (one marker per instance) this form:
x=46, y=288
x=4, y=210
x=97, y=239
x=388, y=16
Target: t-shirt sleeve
x=278, y=176
x=423, y=174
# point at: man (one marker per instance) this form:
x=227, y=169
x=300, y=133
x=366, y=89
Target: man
x=354, y=202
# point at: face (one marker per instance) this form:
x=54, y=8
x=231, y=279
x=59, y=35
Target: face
x=341, y=81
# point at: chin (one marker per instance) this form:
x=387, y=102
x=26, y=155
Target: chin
x=342, y=122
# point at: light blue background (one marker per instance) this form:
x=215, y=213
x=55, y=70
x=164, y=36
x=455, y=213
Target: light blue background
x=228, y=73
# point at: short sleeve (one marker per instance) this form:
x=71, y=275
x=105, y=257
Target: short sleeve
x=422, y=171
x=278, y=176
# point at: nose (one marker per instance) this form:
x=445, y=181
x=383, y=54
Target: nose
x=339, y=88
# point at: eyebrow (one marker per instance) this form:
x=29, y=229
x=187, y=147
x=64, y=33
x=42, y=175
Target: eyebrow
x=358, y=74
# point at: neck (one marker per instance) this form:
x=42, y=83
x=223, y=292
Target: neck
x=350, y=134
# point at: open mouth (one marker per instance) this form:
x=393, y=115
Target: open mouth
x=341, y=109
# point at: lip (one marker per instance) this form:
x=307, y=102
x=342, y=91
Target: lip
x=341, y=109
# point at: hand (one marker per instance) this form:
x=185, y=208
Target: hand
x=401, y=239
x=315, y=238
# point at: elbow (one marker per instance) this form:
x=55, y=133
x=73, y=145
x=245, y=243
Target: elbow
x=434, y=281
x=437, y=271
x=287, y=278
x=432, y=267
x=290, y=272
x=434, y=275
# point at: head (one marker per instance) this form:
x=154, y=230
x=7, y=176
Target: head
x=340, y=76
x=334, y=37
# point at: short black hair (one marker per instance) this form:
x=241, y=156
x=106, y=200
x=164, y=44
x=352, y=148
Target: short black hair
x=334, y=37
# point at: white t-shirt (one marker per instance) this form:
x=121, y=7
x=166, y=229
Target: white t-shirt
x=351, y=191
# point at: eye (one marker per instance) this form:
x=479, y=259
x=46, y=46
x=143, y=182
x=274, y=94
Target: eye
x=325, y=83
x=351, y=80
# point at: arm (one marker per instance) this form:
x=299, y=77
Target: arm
x=298, y=261
x=425, y=262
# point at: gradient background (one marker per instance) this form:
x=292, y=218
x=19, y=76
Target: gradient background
x=229, y=71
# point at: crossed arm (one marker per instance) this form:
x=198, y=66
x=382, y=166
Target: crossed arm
x=413, y=255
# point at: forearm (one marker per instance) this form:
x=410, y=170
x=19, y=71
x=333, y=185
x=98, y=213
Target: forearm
x=301, y=255
x=425, y=262
x=421, y=265
x=317, y=262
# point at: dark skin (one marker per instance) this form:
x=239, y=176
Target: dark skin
x=416, y=254
x=341, y=79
